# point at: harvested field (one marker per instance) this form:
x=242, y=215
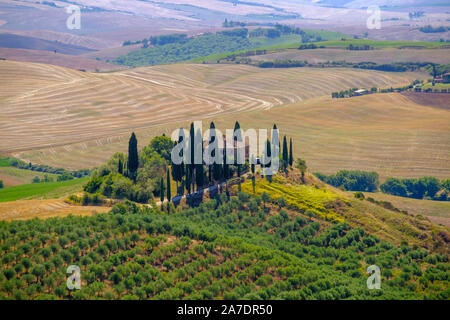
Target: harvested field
x=43, y=209
x=432, y=99
x=95, y=43
x=14, y=41
x=48, y=106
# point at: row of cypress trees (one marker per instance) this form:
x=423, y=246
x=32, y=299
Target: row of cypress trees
x=194, y=175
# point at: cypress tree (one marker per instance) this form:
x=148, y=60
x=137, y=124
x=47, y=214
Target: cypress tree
x=225, y=163
x=161, y=187
x=285, y=153
x=192, y=146
x=199, y=176
x=169, y=197
x=291, y=157
x=188, y=179
x=120, y=167
x=237, y=138
x=268, y=153
x=218, y=167
x=211, y=168
x=133, y=160
x=279, y=141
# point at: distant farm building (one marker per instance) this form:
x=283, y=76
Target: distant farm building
x=360, y=92
x=445, y=78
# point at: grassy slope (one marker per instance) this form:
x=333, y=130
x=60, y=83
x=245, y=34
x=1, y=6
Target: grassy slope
x=436, y=211
x=438, y=86
x=49, y=190
x=335, y=205
x=12, y=176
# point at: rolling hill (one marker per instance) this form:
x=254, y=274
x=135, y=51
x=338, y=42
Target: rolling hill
x=53, y=106
x=57, y=59
x=387, y=133
x=14, y=41
x=441, y=56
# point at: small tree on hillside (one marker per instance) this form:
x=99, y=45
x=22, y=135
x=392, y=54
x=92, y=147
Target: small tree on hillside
x=169, y=196
x=285, y=154
x=291, y=157
x=161, y=190
x=265, y=197
x=300, y=164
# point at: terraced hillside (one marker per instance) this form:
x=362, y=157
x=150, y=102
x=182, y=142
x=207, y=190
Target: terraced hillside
x=46, y=106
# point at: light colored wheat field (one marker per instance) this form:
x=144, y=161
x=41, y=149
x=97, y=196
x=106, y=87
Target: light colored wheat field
x=46, y=106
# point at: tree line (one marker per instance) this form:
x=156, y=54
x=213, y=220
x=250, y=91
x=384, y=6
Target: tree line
x=425, y=187
x=420, y=188
x=13, y=162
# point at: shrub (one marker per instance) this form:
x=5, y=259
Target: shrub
x=359, y=195
x=352, y=180
x=395, y=187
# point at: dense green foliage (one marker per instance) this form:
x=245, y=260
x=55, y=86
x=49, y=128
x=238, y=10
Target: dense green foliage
x=142, y=184
x=426, y=187
x=352, y=180
x=282, y=64
x=387, y=67
x=168, y=38
x=223, y=249
x=45, y=178
x=133, y=159
x=201, y=46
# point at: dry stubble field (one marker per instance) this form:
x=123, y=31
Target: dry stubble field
x=73, y=119
x=28, y=209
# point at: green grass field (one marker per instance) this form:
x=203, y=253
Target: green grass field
x=49, y=190
x=5, y=161
x=12, y=176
